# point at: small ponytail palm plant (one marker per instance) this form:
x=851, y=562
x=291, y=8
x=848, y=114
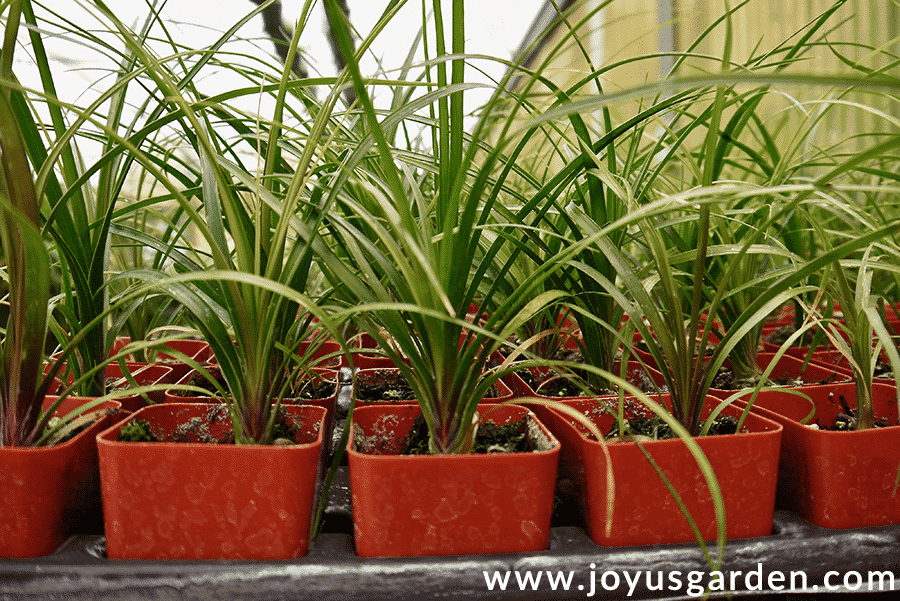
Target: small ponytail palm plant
x=254, y=300
x=865, y=335
x=23, y=381
x=79, y=196
x=55, y=230
x=417, y=244
x=635, y=160
x=669, y=307
x=28, y=272
x=697, y=256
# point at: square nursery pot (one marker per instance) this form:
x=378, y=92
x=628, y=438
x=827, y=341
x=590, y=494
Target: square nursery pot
x=825, y=354
x=143, y=374
x=320, y=390
x=148, y=374
x=366, y=354
x=196, y=500
x=644, y=511
x=47, y=490
x=793, y=372
x=419, y=505
x=367, y=385
x=327, y=355
x=643, y=377
x=841, y=365
x=836, y=479
x=198, y=350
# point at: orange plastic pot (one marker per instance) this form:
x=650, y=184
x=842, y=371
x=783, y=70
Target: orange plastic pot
x=193, y=377
x=326, y=356
x=322, y=376
x=837, y=361
x=836, y=479
x=792, y=368
x=198, y=350
x=824, y=352
x=46, y=490
x=644, y=377
x=148, y=374
x=834, y=359
x=192, y=500
x=366, y=354
x=376, y=376
x=143, y=374
x=644, y=511
x=641, y=376
x=446, y=504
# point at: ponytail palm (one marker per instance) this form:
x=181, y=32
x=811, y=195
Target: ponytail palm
x=23, y=381
x=254, y=296
x=417, y=243
x=28, y=271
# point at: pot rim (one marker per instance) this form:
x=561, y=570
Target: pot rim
x=771, y=415
x=555, y=445
x=110, y=404
x=772, y=426
x=107, y=436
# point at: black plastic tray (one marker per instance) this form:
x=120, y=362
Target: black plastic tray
x=79, y=569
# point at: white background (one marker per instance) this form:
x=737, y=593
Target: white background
x=494, y=27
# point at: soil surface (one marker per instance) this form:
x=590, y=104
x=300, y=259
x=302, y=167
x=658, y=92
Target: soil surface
x=654, y=428
x=724, y=380
x=846, y=420
x=77, y=425
x=779, y=336
x=200, y=430
x=553, y=384
x=883, y=370
x=393, y=387
x=200, y=381
x=387, y=389
x=490, y=438
x=307, y=389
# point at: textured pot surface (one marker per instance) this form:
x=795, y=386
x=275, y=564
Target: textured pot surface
x=449, y=504
x=193, y=500
x=644, y=511
x=46, y=489
x=836, y=479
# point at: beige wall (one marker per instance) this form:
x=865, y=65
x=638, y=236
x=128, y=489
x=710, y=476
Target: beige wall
x=629, y=28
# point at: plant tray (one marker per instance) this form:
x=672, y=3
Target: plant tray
x=79, y=569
